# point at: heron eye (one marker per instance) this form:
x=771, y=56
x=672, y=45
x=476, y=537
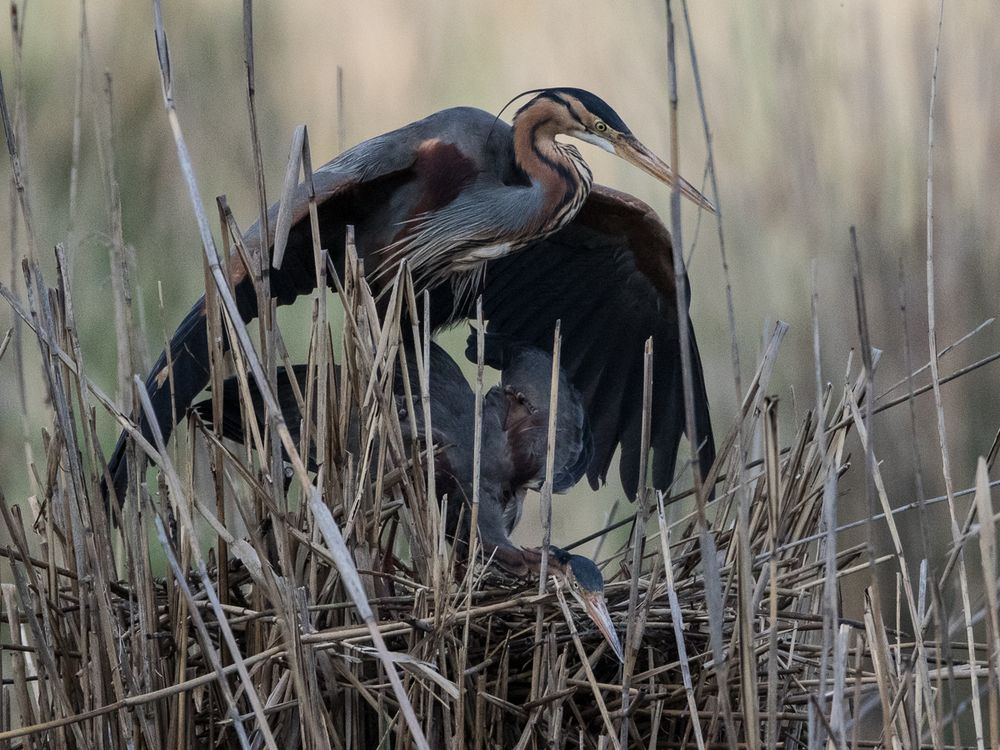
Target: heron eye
x=600, y=126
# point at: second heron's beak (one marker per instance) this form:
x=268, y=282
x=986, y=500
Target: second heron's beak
x=631, y=150
x=597, y=608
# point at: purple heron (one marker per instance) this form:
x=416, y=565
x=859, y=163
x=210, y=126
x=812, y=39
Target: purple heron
x=515, y=417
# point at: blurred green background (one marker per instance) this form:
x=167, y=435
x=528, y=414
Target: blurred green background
x=819, y=114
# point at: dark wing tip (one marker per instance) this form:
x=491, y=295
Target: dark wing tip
x=608, y=276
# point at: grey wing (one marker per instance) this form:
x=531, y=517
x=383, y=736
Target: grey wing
x=377, y=187
x=341, y=189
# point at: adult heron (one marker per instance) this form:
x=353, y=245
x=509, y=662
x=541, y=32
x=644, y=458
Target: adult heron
x=477, y=207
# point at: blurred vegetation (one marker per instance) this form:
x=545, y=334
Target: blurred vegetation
x=819, y=116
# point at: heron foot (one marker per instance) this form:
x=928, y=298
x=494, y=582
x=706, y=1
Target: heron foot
x=520, y=398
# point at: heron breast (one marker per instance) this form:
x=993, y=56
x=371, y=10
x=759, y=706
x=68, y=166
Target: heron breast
x=479, y=255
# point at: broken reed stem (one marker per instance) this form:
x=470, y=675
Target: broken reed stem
x=546, y=506
x=935, y=375
x=717, y=201
x=708, y=549
x=477, y=435
x=634, y=631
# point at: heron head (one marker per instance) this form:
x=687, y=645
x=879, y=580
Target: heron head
x=589, y=118
x=586, y=584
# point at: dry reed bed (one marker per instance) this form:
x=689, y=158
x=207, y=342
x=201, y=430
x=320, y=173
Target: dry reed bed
x=280, y=646
x=335, y=615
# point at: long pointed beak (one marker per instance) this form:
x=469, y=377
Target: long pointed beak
x=597, y=608
x=631, y=150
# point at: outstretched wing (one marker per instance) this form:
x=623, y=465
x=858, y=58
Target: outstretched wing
x=378, y=186
x=608, y=276
x=341, y=187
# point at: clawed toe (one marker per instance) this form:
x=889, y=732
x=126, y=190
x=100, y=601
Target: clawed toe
x=520, y=398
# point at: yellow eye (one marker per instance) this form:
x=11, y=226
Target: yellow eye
x=600, y=127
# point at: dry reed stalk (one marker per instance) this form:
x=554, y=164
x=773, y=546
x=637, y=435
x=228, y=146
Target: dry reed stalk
x=935, y=378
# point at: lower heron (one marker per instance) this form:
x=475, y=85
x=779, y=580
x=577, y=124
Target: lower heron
x=515, y=418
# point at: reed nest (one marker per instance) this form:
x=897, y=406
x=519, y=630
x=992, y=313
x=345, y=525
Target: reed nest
x=336, y=615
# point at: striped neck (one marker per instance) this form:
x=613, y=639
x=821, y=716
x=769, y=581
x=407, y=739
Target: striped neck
x=556, y=170
x=583, y=182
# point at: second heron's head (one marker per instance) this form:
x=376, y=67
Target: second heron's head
x=586, y=584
